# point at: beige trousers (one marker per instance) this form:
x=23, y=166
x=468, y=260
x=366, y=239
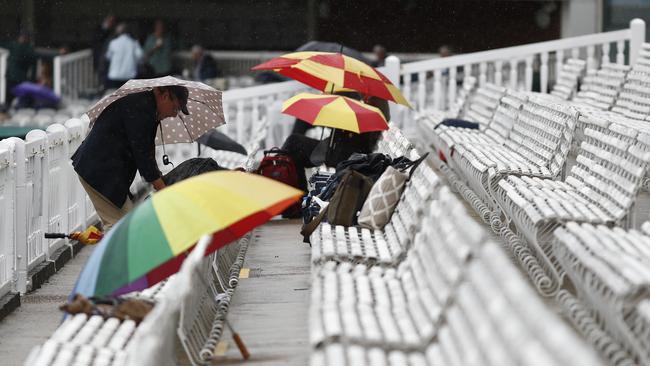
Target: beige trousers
x=106, y=210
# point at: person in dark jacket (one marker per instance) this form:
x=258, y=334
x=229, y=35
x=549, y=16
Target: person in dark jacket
x=121, y=141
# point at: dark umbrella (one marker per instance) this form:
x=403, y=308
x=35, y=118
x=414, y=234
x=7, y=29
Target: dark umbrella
x=333, y=47
x=220, y=141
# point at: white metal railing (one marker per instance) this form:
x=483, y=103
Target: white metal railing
x=246, y=107
x=432, y=83
x=39, y=192
x=73, y=74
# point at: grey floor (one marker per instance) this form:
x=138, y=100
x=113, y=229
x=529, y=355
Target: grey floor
x=269, y=308
x=38, y=315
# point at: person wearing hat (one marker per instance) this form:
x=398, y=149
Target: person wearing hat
x=121, y=141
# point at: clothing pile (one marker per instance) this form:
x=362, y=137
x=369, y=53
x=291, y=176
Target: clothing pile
x=363, y=191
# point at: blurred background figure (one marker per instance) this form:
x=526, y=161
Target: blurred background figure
x=445, y=51
x=204, y=65
x=123, y=55
x=103, y=35
x=21, y=64
x=379, y=52
x=158, y=51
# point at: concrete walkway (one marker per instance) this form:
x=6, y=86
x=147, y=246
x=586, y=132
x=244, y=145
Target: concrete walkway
x=270, y=308
x=38, y=315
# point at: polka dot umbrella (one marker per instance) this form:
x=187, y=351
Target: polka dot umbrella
x=203, y=103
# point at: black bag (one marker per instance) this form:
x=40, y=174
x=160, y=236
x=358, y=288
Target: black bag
x=190, y=168
x=370, y=165
x=350, y=195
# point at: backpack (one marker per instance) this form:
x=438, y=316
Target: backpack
x=279, y=165
x=349, y=197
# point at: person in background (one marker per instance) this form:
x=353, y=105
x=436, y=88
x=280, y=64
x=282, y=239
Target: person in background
x=121, y=141
x=204, y=65
x=380, y=55
x=21, y=64
x=445, y=51
x=158, y=50
x=103, y=35
x=123, y=55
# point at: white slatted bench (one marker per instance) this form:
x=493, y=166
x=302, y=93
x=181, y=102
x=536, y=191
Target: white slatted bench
x=394, y=143
x=478, y=105
x=193, y=304
x=610, y=271
x=601, y=188
x=600, y=88
x=474, y=307
x=568, y=79
x=537, y=145
x=397, y=307
x=498, y=129
x=380, y=246
x=481, y=107
x=633, y=100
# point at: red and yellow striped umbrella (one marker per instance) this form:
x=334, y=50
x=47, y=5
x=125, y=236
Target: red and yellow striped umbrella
x=324, y=70
x=335, y=111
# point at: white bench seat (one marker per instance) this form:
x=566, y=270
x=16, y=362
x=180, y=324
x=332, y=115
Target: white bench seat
x=494, y=318
x=379, y=246
x=601, y=188
x=610, y=270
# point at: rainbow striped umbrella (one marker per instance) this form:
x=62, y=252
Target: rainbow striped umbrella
x=151, y=242
x=335, y=111
x=326, y=70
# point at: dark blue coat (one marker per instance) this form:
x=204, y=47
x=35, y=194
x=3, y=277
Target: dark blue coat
x=121, y=141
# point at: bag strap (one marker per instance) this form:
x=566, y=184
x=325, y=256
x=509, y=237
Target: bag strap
x=310, y=227
x=276, y=150
x=416, y=163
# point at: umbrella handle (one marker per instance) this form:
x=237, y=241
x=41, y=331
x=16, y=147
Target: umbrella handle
x=55, y=236
x=241, y=346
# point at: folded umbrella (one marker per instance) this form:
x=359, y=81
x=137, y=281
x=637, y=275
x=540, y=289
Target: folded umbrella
x=151, y=242
x=333, y=47
x=326, y=71
x=220, y=141
x=203, y=103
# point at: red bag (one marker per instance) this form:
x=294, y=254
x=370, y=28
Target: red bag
x=278, y=165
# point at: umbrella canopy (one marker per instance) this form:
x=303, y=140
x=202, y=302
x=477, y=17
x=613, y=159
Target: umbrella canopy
x=326, y=71
x=333, y=47
x=220, y=141
x=203, y=103
x=335, y=111
x=150, y=243
x=37, y=91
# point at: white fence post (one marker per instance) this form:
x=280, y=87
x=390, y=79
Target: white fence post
x=7, y=217
x=77, y=196
x=392, y=67
x=56, y=75
x=20, y=215
x=3, y=75
x=637, y=37
x=57, y=185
